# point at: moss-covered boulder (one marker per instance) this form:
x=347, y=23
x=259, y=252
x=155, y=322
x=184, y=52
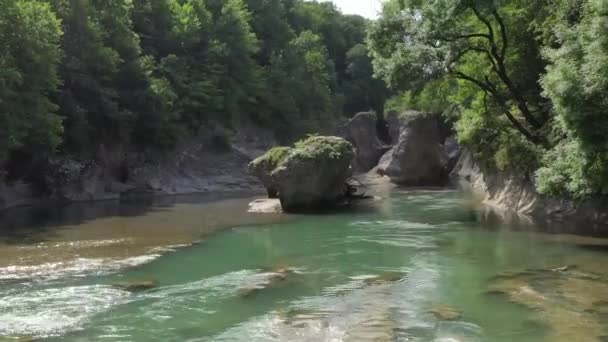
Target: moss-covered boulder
x=309, y=176
x=263, y=166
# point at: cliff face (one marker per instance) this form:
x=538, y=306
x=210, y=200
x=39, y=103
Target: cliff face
x=112, y=175
x=516, y=192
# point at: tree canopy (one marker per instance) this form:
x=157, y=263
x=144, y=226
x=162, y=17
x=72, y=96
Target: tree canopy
x=80, y=75
x=526, y=82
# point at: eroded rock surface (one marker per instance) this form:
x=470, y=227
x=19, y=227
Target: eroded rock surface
x=517, y=192
x=418, y=158
x=361, y=131
x=266, y=206
x=262, y=168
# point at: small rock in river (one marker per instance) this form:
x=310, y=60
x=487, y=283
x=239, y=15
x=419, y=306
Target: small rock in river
x=266, y=206
x=137, y=286
x=446, y=313
x=387, y=277
x=277, y=277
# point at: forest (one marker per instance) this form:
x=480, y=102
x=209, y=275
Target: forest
x=525, y=82
x=80, y=75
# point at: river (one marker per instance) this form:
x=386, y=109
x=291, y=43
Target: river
x=413, y=265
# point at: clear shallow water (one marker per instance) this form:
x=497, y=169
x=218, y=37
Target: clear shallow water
x=505, y=282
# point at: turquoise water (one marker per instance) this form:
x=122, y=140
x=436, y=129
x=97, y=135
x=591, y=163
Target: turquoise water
x=380, y=271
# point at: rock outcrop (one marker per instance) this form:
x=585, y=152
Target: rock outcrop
x=418, y=158
x=453, y=151
x=394, y=126
x=507, y=190
x=263, y=166
x=361, y=131
x=265, y=206
x=196, y=167
x=311, y=175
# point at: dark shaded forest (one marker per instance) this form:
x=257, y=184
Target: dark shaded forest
x=525, y=83
x=80, y=75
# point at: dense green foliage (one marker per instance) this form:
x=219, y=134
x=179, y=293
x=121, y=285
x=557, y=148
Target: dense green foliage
x=525, y=81
x=30, y=36
x=80, y=76
x=271, y=159
x=324, y=147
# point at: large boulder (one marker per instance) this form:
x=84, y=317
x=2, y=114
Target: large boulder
x=393, y=123
x=309, y=176
x=453, y=151
x=263, y=166
x=361, y=131
x=418, y=158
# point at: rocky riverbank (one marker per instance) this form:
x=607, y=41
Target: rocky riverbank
x=196, y=167
x=516, y=192
x=425, y=153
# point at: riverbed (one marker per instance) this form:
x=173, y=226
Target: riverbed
x=411, y=265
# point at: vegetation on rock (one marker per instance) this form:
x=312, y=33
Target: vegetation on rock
x=271, y=159
x=321, y=147
x=312, y=147
x=311, y=175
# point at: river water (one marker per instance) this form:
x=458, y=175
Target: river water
x=425, y=265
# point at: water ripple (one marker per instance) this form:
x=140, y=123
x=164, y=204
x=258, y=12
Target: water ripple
x=51, y=312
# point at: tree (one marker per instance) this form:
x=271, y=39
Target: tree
x=270, y=23
x=361, y=90
x=88, y=98
x=29, y=59
x=417, y=42
x=146, y=74
x=576, y=82
x=302, y=76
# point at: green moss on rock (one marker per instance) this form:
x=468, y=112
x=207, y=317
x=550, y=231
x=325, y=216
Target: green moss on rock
x=271, y=159
x=325, y=147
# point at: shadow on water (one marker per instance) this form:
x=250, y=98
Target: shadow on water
x=29, y=225
x=497, y=219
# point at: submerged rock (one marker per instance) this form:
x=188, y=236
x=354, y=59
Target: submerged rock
x=382, y=328
x=446, y=313
x=137, y=286
x=361, y=131
x=274, y=279
x=311, y=175
x=418, y=158
x=388, y=277
x=564, y=300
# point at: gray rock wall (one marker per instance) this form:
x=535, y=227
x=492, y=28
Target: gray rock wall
x=191, y=168
x=516, y=192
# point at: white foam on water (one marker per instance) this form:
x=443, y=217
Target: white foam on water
x=73, y=268
x=75, y=244
x=165, y=301
x=53, y=312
